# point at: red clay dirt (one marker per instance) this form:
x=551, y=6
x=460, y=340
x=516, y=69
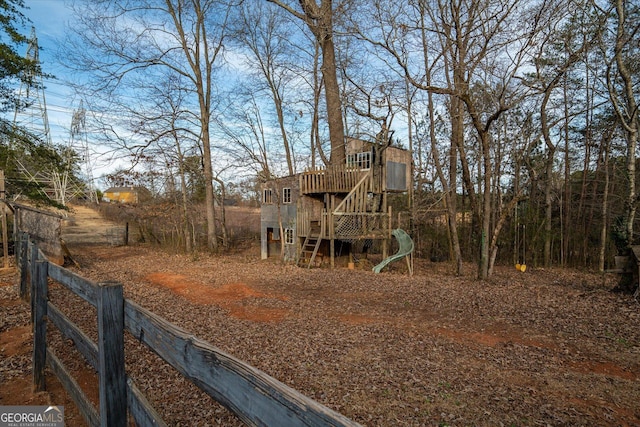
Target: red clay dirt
x=233, y=297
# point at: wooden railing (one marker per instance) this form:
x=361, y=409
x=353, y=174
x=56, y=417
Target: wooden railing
x=334, y=179
x=253, y=396
x=358, y=197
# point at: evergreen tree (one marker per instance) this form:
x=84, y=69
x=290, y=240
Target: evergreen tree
x=14, y=68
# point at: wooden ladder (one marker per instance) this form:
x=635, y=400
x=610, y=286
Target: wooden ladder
x=310, y=247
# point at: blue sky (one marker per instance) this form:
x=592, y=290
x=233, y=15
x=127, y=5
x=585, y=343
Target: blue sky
x=49, y=17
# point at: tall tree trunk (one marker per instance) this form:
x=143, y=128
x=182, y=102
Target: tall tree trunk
x=627, y=111
x=197, y=53
x=551, y=150
x=548, y=208
x=568, y=230
x=223, y=219
x=483, y=265
x=184, y=199
x=334, y=102
x=448, y=190
x=457, y=135
x=283, y=133
x=605, y=200
x=319, y=19
x=318, y=83
x=449, y=184
x=209, y=198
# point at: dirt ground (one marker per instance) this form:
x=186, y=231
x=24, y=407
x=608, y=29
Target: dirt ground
x=545, y=347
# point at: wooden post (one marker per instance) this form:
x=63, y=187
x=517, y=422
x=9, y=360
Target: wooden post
x=23, y=262
x=5, y=237
x=39, y=299
x=332, y=231
x=17, y=251
x=126, y=234
x=32, y=274
x=111, y=372
x=5, y=234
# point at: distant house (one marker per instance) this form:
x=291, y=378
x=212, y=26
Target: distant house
x=131, y=195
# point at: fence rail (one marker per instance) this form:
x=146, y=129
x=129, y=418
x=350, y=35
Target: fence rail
x=253, y=396
x=334, y=179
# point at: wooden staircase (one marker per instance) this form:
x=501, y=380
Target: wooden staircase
x=356, y=200
x=310, y=246
x=355, y=210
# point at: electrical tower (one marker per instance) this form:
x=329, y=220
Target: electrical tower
x=55, y=183
x=80, y=145
x=34, y=116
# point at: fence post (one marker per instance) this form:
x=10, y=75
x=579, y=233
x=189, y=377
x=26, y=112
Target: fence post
x=39, y=299
x=32, y=274
x=23, y=262
x=111, y=372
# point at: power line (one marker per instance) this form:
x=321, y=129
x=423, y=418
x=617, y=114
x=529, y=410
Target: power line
x=57, y=183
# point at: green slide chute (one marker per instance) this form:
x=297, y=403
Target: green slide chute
x=405, y=250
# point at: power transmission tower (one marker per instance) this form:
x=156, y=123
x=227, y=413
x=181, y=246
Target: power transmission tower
x=34, y=116
x=56, y=183
x=80, y=145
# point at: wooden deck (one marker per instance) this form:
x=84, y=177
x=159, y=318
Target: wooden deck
x=335, y=179
x=355, y=208
x=345, y=226
x=356, y=216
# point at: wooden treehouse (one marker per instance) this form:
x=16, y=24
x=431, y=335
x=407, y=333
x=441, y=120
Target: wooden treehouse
x=319, y=213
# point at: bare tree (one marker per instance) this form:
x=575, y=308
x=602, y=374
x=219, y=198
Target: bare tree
x=449, y=182
x=319, y=18
x=559, y=51
x=168, y=127
x=249, y=139
x=486, y=44
x=622, y=84
x=123, y=43
x=265, y=37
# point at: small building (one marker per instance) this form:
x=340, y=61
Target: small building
x=132, y=195
x=304, y=217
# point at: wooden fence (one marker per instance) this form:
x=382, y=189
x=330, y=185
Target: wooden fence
x=253, y=396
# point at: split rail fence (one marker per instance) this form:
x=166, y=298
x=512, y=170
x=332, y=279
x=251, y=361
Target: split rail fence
x=253, y=396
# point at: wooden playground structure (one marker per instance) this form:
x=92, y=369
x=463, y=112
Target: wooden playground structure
x=306, y=216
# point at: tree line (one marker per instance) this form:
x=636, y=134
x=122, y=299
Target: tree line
x=522, y=116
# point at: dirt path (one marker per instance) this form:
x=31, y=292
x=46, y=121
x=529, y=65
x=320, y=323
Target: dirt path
x=85, y=225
